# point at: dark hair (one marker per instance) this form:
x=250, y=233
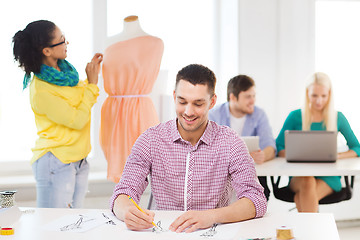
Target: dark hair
x=197, y=74
x=239, y=84
x=29, y=43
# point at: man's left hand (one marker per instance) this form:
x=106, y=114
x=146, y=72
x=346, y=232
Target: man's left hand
x=193, y=220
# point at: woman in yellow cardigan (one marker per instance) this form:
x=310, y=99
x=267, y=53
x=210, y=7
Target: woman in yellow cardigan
x=62, y=107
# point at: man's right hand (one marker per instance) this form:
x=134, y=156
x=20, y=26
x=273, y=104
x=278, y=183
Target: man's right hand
x=262, y=156
x=134, y=219
x=258, y=156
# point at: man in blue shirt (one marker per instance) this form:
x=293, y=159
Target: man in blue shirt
x=241, y=114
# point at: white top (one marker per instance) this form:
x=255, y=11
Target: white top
x=132, y=29
x=237, y=124
x=279, y=167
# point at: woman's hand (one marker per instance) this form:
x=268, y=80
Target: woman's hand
x=349, y=154
x=93, y=68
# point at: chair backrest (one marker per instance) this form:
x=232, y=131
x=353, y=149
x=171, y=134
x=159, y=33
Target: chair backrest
x=287, y=195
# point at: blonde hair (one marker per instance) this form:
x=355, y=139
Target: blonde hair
x=329, y=114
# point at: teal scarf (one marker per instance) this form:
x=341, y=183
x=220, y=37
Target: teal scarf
x=68, y=76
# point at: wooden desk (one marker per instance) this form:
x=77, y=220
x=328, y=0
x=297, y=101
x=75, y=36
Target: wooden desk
x=279, y=167
x=306, y=226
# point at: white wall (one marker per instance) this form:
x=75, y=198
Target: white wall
x=276, y=48
x=258, y=50
x=296, y=53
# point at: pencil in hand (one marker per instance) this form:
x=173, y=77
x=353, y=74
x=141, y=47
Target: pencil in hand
x=138, y=207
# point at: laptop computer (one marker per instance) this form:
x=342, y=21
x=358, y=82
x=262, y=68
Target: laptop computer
x=310, y=146
x=252, y=142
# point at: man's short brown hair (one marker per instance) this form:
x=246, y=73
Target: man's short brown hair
x=197, y=74
x=239, y=83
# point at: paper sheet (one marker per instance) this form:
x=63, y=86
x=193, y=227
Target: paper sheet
x=220, y=232
x=85, y=222
x=80, y=222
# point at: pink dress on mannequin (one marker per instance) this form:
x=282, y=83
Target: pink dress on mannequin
x=130, y=69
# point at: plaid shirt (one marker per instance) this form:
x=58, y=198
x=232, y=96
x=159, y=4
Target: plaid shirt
x=185, y=177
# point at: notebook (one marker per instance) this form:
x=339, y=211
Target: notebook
x=310, y=146
x=252, y=142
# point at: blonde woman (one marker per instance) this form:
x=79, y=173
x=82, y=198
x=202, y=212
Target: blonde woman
x=318, y=114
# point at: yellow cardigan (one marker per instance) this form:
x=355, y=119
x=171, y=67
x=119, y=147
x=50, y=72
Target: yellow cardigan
x=62, y=117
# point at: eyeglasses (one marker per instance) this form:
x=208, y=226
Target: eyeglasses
x=57, y=44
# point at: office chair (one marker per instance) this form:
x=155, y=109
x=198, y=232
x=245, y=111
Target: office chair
x=287, y=195
x=150, y=202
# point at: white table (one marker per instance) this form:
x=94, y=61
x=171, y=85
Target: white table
x=279, y=167
x=306, y=226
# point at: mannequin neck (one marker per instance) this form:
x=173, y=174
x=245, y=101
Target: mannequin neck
x=132, y=29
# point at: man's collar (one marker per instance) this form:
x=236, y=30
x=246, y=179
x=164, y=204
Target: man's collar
x=208, y=133
x=206, y=137
x=175, y=135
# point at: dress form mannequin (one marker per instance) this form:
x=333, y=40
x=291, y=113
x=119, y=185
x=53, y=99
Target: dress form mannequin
x=131, y=29
x=130, y=68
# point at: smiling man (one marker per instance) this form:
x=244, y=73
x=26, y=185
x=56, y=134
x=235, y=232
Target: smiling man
x=193, y=165
x=241, y=114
